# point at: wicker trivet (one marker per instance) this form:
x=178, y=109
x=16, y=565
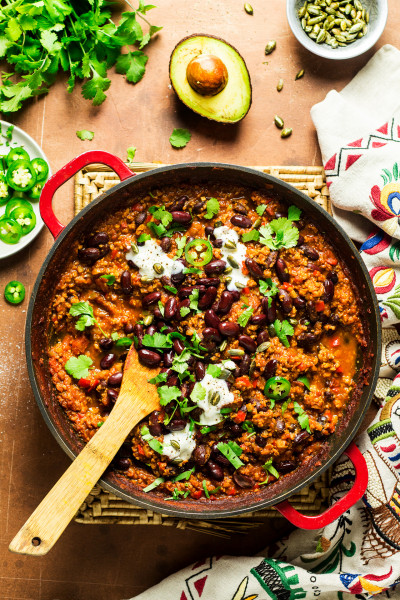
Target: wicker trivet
x=102, y=507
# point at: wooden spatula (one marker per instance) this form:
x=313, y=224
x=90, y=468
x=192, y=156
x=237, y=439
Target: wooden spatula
x=137, y=398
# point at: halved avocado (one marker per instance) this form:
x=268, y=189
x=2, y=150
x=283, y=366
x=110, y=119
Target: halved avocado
x=211, y=78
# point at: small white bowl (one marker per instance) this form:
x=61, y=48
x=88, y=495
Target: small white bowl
x=378, y=12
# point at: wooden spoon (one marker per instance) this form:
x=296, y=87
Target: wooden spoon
x=136, y=399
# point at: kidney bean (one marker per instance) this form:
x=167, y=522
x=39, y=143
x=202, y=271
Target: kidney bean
x=307, y=340
x=260, y=440
x=126, y=283
x=286, y=466
x=258, y=320
x=271, y=259
x=300, y=241
x=225, y=303
x=244, y=366
x=151, y=298
x=178, y=346
x=282, y=270
x=243, y=481
x=329, y=290
x=215, y=267
x=229, y=329
x=200, y=370
x=209, y=333
x=185, y=292
x=241, y=221
x=254, y=268
x=299, y=302
x=157, y=313
x=209, y=281
x=198, y=206
x=211, y=319
x=167, y=358
x=151, y=330
x=105, y=249
x=312, y=313
x=98, y=239
x=121, y=463
x=235, y=295
x=248, y=343
x=107, y=361
x=112, y=395
x=270, y=368
x=270, y=311
x=89, y=255
x=115, y=379
x=279, y=426
x=170, y=308
x=182, y=304
x=332, y=275
x=301, y=437
x=138, y=330
x=172, y=380
x=309, y=252
x=166, y=244
x=106, y=343
x=182, y=217
x=208, y=297
x=140, y=218
x=215, y=471
x=220, y=458
x=262, y=337
x=280, y=215
x=285, y=300
x=179, y=203
x=239, y=208
x=200, y=455
x=209, y=345
x=132, y=265
x=235, y=429
x=209, y=231
x=128, y=328
x=176, y=424
x=149, y=358
x=217, y=243
x=178, y=278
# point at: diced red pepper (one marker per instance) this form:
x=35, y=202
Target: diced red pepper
x=148, y=218
x=196, y=494
x=244, y=379
x=84, y=383
x=140, y=449
x=339, y=370
x=335, y=341
x=114, y=253
x=286, y=285
x=328, y=414
x=332, y=261
x=240, y=416
x=255, y=383
x=319, y=305
x=136, y=206
x=246, y=290
x=231, y=491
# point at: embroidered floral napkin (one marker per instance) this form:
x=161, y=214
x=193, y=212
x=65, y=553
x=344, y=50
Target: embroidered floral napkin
x=359, y=554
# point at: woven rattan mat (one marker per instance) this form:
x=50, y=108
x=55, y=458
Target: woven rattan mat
x=102, y=507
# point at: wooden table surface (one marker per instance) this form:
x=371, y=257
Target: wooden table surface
x=114, y=562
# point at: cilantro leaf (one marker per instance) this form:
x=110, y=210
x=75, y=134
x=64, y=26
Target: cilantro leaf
x=183, y=311
x=167, y=394
x=214, y=370
x=270, y=468
x=244, y=317
x=230, y=451
x=268, y=288
x=305, y=381
x=261, y=209
x=294, y=213
x=251, y=236
x=283, y=329
x=94, y=88
x=199, y=393
x=179, y=138
x=185, y=475
x=109, y=278
x=302, y=417
x=154, y=484
x=132, y=64
x=171, y=288
x=78, y=367
x=212, y=208
x=130, y=153
x=180, y=244
x=84, y=134
x=279, y=233
x=84, y=311
x=50, y=42
x=123, y=342
x=194, y=300
x=143, y=237
x=153, y=443
x=161, y=377
x=285, y=405
x=158, y=340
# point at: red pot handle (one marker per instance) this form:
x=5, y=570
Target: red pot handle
x=70, y=169
x=339, y=507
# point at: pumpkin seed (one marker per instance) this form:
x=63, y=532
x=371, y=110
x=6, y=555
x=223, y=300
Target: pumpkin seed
x=175, y=445
x=232, y=262
x=278, y=122
x=145, y=279
x=228, y=269
x=134, y=248
x=270, y=47
x=252, y=367
x=223, y=346
x=262, y=347
x=227, y=279
x=314, y=10
x=215, y=398
x=358, y=5
x=313, y=36
x=257, y=224
x=302, y=11
x=321, y=37
x=356, y=28
x=316, y=29
x=147, y=320
x=308, y=29
x=235, y=352
x=365, y=29
x=225, y=374
x=315, y=20
x=218, y=224
x=158, y=268
x=304, y=23
x=240, y=285
x=299, y=75
x=367, y=17
x=343, y=26
x=347, y=9
x=230, y=244
x=279, y=87
x=248, y=8
x=287, y=132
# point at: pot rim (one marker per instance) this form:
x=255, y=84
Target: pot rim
x=159, y=504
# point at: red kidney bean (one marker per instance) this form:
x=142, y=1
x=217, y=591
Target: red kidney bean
x=156, y=429
x=225, y=303
x=286, y=466
x=178, y=346
x=185, y=292
x=215, y=471
x=149, y=358
x=270, y=369
x=126, y=283
x=200, y=370
x=215, y=267
x=151, y=330
x=217, y=243
x=170, y=308
x=198, y=207
x=271, y=259
x=235, y=429
x=172, y=380
x=104, y=250
x=285, y=301
x=220, y=458
x=181, y=217
x=89, y=255
x=332, y=275
x=270, y=311
x=166, y=244
x=176, y=424
x=239, y=208
x=309, y=252
x=112, y=395
x=209, y=231
x=241, y=221
x=299, y=302
x=282, y=270
x=258, y=320
x=329, y=290
x=182, y=304
x=307, y=340
x=301, y=437
x=262, y=337
x=248, y=343
x=229, y=329
x=115, y=379
x=121, y=463
x=151, y=298
x=211, y=319
x=312, y=313
x=243, y=481
x=128, y=328
x=178, y=278
x=179, y=203
x=138, y=330
x=208, y=297
x=255, y=269
x=244, y=366
x=132, y=265
x=209, y=345
x=279, y=426
x=157, y=313
x=209, y=281
x=200, y=455
x=140, y=218
x=300, y=241
x=106, y=343
x=107, y=361
x=165, y=280
x=167, y=358
x=209, y=333
x=98, y=239
x=260, y=440
x=235, y=295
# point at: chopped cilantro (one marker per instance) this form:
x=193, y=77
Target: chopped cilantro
x=244, y=317
x=84, y=134
x=294, y=213
x=279, y=233
x=226, y=411
x=261, y=209
x=302, y=417
x=167, y=394
x=283, y=329
x=205, y=430
x=9, y=132
x=153, y=443
x=185, y=475
x=179, y=138
x=158, y=340
x=271, y=469
x=194, y=300
x=78, y=367
x=180, y=244
x=161, y=214
x=183, y=311
x=251, y=236
x=205, y=489
x=188, y=270
x=155, y=484
x=214, y=370
x=231, y=451
x=109, y=278
x=285, y=405
x=123, y=342
x=161, y=307
x=160, y=378
x=305, y=381
x=199, y=393
x=130, y=153
x=84, y=311
x=248, y=426
x=143, y=237
x=268, y=288
x=171, y=288
x=212, y=208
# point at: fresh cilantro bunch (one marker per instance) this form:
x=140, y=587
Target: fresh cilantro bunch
x=40, y=38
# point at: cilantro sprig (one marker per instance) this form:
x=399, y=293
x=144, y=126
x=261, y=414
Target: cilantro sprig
x=268, y=288
x=268, y=466
x=244, y=317
x=78, y=367
x=212, y=208
x=84, y=311
x=231, y=451
x=283, y=329
x=281, y=233
x=302, y=417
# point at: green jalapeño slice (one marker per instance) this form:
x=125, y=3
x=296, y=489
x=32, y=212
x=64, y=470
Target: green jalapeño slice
x=198, y=252
x=277, y=388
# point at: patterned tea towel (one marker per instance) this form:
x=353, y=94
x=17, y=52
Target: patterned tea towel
x=359, y=554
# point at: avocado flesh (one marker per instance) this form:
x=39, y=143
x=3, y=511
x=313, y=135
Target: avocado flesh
x=233, y=102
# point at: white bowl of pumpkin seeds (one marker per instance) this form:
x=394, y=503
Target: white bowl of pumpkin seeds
x=337, y=29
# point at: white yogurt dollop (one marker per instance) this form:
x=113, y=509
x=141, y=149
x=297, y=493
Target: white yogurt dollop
x=212, y=414
x=150, y=254
x=226, y=234
x=184, y=439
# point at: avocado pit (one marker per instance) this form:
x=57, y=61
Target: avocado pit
x=207, y=74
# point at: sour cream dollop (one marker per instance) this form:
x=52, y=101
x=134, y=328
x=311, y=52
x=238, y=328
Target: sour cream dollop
x=226, y=234
x=150, y=254
x=184, y=443
x=212, y=412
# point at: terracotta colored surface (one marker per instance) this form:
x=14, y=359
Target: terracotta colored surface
x=99, y=562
